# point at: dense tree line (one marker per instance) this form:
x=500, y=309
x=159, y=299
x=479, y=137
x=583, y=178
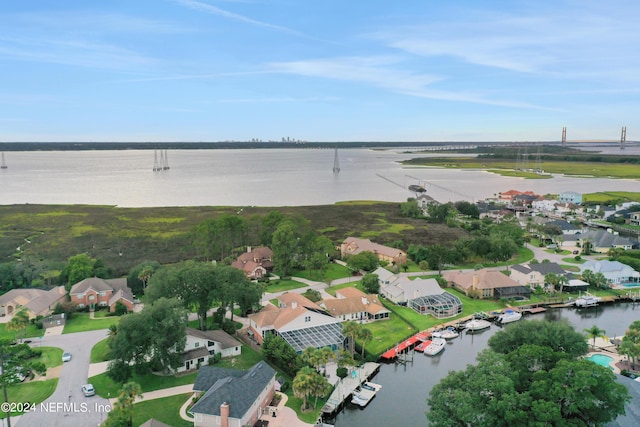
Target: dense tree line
x=531, y=375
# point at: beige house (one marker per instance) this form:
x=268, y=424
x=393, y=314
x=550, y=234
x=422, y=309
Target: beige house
x=37, y=302
x=354, y=246
x=486, y=284
x=353, y=304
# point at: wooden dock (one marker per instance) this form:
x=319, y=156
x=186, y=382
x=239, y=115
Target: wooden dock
x=346, y=386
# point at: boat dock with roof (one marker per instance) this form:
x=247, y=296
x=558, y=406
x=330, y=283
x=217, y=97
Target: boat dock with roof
x=346, y=387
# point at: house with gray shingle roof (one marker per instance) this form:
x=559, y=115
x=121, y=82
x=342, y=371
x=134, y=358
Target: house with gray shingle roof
x=602, y=241
x=232, y=397
x=614, y=271
x=96, y=292
x=534, y=274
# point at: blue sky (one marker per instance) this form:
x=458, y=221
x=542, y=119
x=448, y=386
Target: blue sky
x=207, y=70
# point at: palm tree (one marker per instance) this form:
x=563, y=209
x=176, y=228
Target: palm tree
x=562, y=281
x=365, y=336
x=19, y=323
x=127, y=397
x=351, y=329
x=303, y=385
x=112, y=331
x=595, y=332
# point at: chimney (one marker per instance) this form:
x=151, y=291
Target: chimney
x=248, y=249
x=224, y=415
x=365, y=301
x=294, y=304
x=474, y=284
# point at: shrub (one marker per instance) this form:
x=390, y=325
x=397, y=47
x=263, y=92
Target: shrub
x=342, y=372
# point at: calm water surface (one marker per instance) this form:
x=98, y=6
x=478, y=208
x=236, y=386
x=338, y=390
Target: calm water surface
x=260, y=177
x=402, y=400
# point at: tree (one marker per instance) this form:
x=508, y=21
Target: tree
x=519, y=383
x=269, y=225
x=630, y=345
x=371, y=283
x=139, y=276
x=123, y=407
x=312, y=295
x=303, y=385
x=437, y=257
x=351, y=329
x=19, y=323
x=276, y=350
x=367, y=261
x=317, y=262
x=79, y=267
x=284, y=247
x=410, y=208
x=467, y=208
x=595, y=332
x=14, y=361
x=365, y=335
x=317, y=357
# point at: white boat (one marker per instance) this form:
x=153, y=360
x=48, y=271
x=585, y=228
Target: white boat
x=587, y=300
x=362, y=397
x=371, y=386
x=509, y=316
x=447, y=334
x=436, y=346
x=477, y=325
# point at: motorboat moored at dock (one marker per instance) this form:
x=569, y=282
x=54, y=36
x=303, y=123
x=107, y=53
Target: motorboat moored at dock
x=476, y=325
x=436, y=346
x=509, y=316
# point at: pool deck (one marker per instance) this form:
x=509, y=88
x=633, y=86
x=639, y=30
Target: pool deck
x=606, y=347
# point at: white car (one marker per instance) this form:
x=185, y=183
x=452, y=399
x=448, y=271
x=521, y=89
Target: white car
x=88, y=390
x=66, y=356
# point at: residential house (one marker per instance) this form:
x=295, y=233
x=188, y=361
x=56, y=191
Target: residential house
x=566, y=227
x=570, y=197
x=202, y=345
x=96, y=292
x=634, y=218
x=353, y=304
x=614, y=271
x=423, y=295
x=424, y=201
x=36, y=302
x=544, y=205
x=354, y=246
x=510, y=196
x=255, y=263
x=533, y=275
x=300, y=322
x=487, y=284
x=232, y=398
x=601, y=241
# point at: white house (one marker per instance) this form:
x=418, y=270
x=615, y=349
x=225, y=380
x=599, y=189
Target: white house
x=202, y=345
x=614, y=271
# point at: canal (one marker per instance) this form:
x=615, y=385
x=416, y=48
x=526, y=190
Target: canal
x=405, y=388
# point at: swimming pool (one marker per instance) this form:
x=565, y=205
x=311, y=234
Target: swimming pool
x=602, y=360
x=630, y=285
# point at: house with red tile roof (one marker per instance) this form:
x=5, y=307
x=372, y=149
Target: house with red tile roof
x=299, y=321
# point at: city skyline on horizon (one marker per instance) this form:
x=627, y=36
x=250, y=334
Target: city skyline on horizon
x=237, y=70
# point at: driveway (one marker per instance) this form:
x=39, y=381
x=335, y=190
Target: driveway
x=67, y=406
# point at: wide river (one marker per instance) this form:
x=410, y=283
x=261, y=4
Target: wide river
x=254, y=177
x=405, y=388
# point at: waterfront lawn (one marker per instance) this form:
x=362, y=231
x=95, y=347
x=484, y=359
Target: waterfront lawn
x=100, y=352
x=166, y=410
x=387, y=333
x=282, y=285
x=106, y=387
x=30, y=391
x=80, y=322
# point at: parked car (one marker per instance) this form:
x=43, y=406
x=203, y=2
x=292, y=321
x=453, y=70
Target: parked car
x=88, y=390
x=66, y=356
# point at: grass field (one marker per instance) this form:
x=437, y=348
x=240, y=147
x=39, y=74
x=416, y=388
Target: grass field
x=333, y=271
x=282, y=285
x=80, y=322
x=166, y=410
x=100, y=352
x=51, y=356
x=106, y=387
x=32, y=392
x=30, y=332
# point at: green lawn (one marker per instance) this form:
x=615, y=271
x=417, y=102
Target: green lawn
x=283, y=285
x=30, y=391
x=332, y=272
x=166, y=410
x=106, y=387
x=30, y=332
x=247, y=359
x=100, y=352
x=80, y=322
x=572, y=260
x=331, y=290
x=51, y=356
x=386, y=334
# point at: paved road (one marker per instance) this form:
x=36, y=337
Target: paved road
x=67, y=406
